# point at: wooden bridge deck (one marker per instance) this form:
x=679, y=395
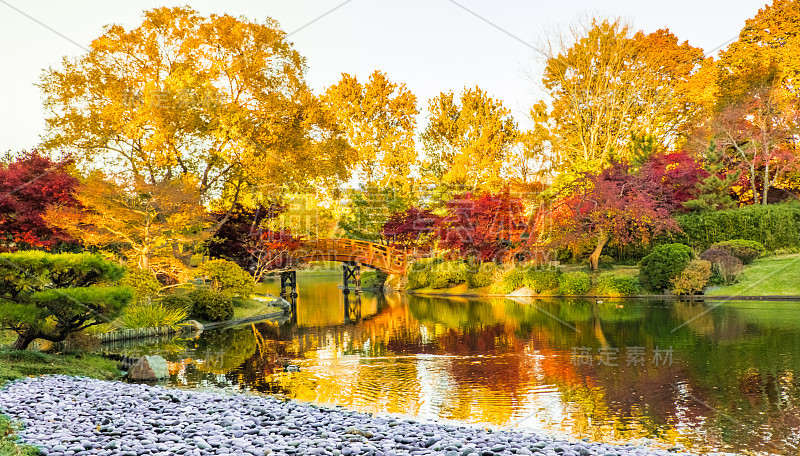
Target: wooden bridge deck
x=382, y=257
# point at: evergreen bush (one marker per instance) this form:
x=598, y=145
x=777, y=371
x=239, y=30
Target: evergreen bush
x=177, y=301
x=611, y=284
x=574, y=283
x=228, y=277
x=373, y=279
x=211, y=305
x=540, y=280
x=663, y=264
x=482, y=275
x=144, y=284
x=418, y=278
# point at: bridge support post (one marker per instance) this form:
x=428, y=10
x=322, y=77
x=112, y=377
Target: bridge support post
x=289, y=280
x=352, y=308
x=351, y=273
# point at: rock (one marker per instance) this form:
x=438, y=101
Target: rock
x=149, y=368
x=356, y=431
x=524, y=291
x=196, y=325
x=148, y=421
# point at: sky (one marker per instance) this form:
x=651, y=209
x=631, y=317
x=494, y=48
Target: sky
x=432, y=46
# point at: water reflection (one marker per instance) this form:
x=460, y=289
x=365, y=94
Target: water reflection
x=710, y=378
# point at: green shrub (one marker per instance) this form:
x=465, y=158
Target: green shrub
x=144, y=315
x=574, y=283
x=611, y=284
x=725, y=267
x=445, y=273
x=418, y=278
x=745, y=250
x=227, y=277
x=693, y=279
x=177, y=301
x=481, y=276
x=211, y=305
x=663, y=264
x=425, y=263
x=540, y=280
x=373, y=279
x=144, y=284
x=507, y=279
x=775, y=226
x=606, y=260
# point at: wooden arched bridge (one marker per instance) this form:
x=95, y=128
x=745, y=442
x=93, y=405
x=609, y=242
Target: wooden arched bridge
x=352, y=254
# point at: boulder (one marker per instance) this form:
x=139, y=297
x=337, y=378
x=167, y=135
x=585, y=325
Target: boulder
x=149, y=368
x=395, y=282
x=524, y=291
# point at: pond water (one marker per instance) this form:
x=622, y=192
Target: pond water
x=708, y=376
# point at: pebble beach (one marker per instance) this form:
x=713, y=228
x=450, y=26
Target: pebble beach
x=67, y=416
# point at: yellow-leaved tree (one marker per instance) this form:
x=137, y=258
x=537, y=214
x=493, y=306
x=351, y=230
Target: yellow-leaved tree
x=150, y=226
x=610, y=86
x=378, y=118
x=218, y=100
x=468, y=142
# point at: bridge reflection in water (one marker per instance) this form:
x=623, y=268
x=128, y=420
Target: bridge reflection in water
x=507, y=363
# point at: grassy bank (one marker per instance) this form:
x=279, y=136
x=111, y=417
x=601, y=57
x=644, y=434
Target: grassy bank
x=251, y=308
x=19, y=364
x=768, y=276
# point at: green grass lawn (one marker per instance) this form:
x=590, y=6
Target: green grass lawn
x=251, y=308
x=773, y=276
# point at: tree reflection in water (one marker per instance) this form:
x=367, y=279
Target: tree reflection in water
x=732, y=384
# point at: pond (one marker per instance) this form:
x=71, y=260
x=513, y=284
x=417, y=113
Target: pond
x=708, y=376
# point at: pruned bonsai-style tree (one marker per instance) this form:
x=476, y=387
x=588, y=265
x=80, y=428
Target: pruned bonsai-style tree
x=48, y=296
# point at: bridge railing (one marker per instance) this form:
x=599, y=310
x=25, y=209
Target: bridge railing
x=370, y=254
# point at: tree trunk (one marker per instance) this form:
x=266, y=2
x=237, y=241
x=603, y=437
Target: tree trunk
x=753, y=184
x=22, y=342
x=594, y=258
x=766, y=183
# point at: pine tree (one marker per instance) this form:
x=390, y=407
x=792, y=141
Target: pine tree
x=714, y=192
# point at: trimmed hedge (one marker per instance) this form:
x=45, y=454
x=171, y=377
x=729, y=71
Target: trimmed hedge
x=482, y=276
x=776, y=226
x=507, y=280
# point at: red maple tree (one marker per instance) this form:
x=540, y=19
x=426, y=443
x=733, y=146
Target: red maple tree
x=484, y=226
x=411, y=229
x=28, y=186
x=615, y=205
x=678, y=174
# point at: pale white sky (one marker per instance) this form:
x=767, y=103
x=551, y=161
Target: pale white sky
x=430, y=45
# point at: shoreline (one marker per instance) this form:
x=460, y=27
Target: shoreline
x=77, y=415
x=612, y=297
